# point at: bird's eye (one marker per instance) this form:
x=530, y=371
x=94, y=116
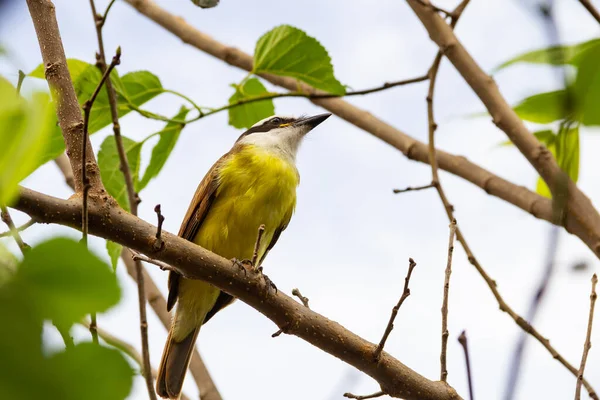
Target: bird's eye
x=276, y=121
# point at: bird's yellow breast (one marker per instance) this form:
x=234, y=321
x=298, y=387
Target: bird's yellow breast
x=255, y=187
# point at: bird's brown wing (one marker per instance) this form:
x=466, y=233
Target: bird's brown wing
x=196, y=213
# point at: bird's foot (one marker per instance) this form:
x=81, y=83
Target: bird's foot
x=268, y=281
x=243, y=265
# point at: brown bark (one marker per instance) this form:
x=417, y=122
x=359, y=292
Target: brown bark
x=194, y=262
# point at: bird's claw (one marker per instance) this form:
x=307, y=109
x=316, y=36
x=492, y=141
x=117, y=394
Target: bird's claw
x=243, y=265
x=268, y=281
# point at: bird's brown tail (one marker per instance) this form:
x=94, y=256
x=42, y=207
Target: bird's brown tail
x=173, y=366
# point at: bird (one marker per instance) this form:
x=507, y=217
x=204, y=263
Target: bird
x=253, y=184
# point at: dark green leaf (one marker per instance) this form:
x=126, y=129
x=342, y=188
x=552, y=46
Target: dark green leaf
x=90, y=372
x=555, y=55
x=246, y=115
x=288, y=51
x=114, y=252
x=65, y=281
x=109, y=163
x=161, y=151
x=544, y=108
x=24, y=133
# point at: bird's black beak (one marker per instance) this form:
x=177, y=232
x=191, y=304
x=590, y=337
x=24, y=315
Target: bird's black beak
x=313, y=121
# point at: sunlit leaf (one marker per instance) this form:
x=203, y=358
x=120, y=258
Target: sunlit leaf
x=24, y=133
x=246, y=115
x=66, y=281
x=544, y=108
x=114, y=252
x=110, y=171
x=565, y=149
x=161, y=151
x=555, y=55
x=288, y=51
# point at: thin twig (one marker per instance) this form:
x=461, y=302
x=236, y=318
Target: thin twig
x=591, y=9
x=102, y=20
x=140, y=257
x=271, y=96
x=158, y=244
x=462, y=339
x=87, y=108
x=405, y=293
x=445, y=333
x=588, y=343
x=132, y=196
x=514, y=371
x=261, y=231
x=368, y=396
x=413, y=188
x=112, y=101
x=304, y=300
x=19, y=228
x=12, y=230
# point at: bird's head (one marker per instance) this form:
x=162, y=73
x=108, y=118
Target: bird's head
x=281, y=133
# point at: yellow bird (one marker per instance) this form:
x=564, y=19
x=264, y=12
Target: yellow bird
x=253, y=184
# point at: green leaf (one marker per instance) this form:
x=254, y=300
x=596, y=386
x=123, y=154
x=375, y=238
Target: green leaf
x=288, y=51
x=565, y=149
x=114, y=252
x=555, y=55
x=544, y=108
x=91, y=372
x=587, y=87
x=161, y=151
x=109, y=163
x=246, y=115
x=24, y=133
x=65, y=281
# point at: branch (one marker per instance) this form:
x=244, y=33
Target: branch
x=63, y=93
x=12, y=229
x=390, y=326
x=194, y=262
x=522, y=323
x=538, y=206
x=591, y=9
x=369, y=396
x=581, y=217
x=445, y=333
x=413, y=188
x=588, y=344
x=462, y=339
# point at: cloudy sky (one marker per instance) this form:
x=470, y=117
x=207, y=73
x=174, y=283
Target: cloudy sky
x=348, y=243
